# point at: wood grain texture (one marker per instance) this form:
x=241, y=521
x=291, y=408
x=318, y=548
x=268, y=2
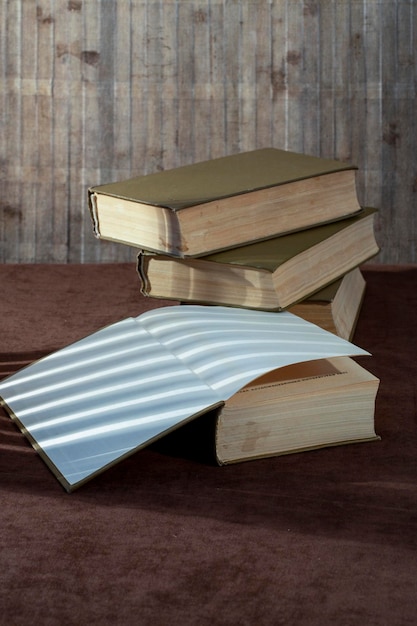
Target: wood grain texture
x=97, y=91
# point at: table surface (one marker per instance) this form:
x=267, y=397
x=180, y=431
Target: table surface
x=164, y=537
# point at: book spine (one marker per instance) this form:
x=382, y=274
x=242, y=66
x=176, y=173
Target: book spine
x=92, y=205
x=141, y=268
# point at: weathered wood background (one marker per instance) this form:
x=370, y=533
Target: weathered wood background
x=92, y=91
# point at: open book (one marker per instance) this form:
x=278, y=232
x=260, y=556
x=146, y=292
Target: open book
x=89, y=405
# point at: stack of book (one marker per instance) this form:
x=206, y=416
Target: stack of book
x=265, y=249
x=269, y=230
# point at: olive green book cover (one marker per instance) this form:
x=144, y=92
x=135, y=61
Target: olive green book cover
x=223, y=177
x=272, y=253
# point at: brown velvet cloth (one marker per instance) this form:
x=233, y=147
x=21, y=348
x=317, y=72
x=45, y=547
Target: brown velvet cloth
x=163, y=538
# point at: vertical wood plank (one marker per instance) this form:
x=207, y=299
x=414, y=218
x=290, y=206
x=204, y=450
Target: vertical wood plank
x=341, y=83
x=261, y=18
x=11, y=207
x=43, y=220
x=122, y=113
x=326, y=75
x=279, y=77
x=153, y=120
x=217, y=128
x=200, y=32
x=186, y=78
x=139, y=90
x=404, y=132
x=389, y=129
x=170, y=96
x=246, y=76
x=309, y=77
x=29, y=134
x=61, y=124
x=369, y=161
x=232, y=42
x=90, y=59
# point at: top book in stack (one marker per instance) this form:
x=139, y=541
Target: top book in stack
x=223, y=203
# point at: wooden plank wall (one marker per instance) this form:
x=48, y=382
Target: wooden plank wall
x=96, y=90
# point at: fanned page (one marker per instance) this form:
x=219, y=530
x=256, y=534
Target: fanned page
x=227, y=347
x=97, y=401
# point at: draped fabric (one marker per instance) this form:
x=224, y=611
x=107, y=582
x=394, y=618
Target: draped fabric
x=163, y=537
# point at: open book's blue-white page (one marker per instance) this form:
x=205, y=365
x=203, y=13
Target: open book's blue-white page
x=102, y=398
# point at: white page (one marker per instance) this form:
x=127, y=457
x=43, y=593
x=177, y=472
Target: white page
x=96, y=401
x=228, y=347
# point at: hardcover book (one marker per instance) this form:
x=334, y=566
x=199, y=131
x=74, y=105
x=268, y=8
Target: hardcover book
x=91, y=404
x=269, y=275
x=226, y=202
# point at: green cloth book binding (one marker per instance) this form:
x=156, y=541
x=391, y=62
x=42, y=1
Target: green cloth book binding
x=269, y=275
x=214, y=205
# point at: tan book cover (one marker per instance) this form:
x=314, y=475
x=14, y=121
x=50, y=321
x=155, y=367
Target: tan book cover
x=269, y=275
x=213, y=205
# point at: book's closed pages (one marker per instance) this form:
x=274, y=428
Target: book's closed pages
x=300, y=407
x=336, y=307
x=269, y=275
